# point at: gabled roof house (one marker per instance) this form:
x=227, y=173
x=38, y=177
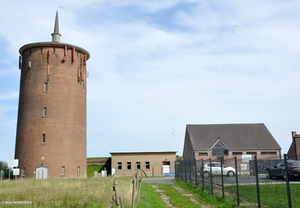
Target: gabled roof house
x=204, y=141
x=294, y=150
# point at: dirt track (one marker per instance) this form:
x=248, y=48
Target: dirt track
x=164, y=197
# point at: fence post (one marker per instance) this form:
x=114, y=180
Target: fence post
x=184, y=170
x=196, y=182
x=222, y=179
x=237, y=182
x=190, y=163
x=202, y=173
x=133, y=191
x=286, y=172
x=211, y=178
x=176, y=168
x=257, y=183
x=139, y=180
x=180, y=170
x=117, y=194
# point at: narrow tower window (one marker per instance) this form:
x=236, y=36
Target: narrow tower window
x=43, y=138
x=45, y=112
x=46, y=87
x=78, y=171
x=23, y=172
x=41, y=50
x=63, y=171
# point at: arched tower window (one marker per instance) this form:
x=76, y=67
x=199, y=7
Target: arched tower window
x=63, y=171
x=43, y=138
x=78, y=171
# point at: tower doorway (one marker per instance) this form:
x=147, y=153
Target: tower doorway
x=41, y=172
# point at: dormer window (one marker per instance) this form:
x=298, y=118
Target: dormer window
x=219, y=149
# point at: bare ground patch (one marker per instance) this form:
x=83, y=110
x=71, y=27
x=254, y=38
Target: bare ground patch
x=190, y=196
x=163, y=196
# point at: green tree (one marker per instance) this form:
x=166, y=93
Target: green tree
x=3, y=169
x=3, y=165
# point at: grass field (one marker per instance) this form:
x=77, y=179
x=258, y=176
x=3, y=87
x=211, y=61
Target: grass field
x=98, y=192
x=64, y=192
x=92, y=168
x=91, y=192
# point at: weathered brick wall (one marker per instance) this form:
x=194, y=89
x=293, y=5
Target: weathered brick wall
x=60, y=66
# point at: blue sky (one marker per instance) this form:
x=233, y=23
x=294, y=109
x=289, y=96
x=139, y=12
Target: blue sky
x=156, y=66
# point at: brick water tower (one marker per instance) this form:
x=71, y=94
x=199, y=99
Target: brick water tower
x=51, y=127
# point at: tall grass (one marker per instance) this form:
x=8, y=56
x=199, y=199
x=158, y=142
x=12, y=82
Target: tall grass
x=65, y=192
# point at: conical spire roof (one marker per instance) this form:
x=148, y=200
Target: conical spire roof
x=56, y=35
x=54, y=43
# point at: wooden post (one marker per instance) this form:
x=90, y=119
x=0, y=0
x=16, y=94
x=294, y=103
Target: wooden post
x=117, y=199
x=133, y=191
x=139, y=181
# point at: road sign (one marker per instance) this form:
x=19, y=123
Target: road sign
x=13, y=163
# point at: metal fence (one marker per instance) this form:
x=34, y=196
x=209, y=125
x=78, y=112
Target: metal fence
x=252, y=173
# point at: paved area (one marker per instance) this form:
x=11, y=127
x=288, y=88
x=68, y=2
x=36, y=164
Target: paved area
x=166, y=180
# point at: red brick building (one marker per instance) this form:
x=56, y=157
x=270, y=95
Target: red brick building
x=205, y=141
x=51, y=127
x=294, y=150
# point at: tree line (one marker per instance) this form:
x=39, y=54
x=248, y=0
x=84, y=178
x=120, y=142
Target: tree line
x=4, y=170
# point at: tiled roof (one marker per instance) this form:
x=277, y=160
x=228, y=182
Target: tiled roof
x=143, y=152
x=234, y=136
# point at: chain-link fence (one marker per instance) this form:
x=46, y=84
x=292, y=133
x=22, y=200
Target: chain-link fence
x=242, y=181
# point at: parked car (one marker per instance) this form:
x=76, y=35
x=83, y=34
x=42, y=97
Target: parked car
x=216, y=169
x=278, y=170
